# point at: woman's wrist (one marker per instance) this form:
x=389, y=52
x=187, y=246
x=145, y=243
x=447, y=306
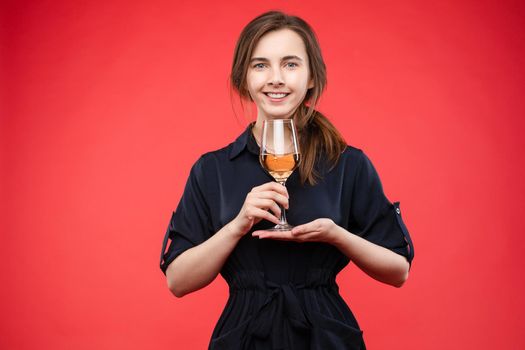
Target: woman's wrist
x=338, y=235
x=232, y=230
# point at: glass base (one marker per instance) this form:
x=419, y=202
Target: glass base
x=281, y=227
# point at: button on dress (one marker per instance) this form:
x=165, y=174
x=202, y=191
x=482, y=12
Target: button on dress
x=283, y=295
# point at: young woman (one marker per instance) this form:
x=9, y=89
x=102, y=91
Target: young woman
x=283, y=293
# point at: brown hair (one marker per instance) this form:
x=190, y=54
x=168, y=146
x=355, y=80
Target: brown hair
x=319, y=139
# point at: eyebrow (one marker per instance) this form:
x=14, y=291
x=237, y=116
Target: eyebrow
x=285, y=58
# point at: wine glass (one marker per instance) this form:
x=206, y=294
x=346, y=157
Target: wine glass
x=280, y=156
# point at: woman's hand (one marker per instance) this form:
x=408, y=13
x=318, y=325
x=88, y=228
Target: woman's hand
x=199, y=265
x=320, y=230
x=378, y=262
x=259, y=204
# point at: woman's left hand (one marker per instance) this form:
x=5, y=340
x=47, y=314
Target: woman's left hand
x=320, y=230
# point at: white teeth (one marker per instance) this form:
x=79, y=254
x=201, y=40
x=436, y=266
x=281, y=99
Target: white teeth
x=274, y=95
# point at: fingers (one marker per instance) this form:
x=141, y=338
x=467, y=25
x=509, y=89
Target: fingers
x=278, y=235
x=319, y=225
x=286, y=235
x=254, y=212
x=303, y=229
x=263, y=201
x=272, y=186
x=266, y=204
x=320, y=230
x=272, y=191
x=270, y=195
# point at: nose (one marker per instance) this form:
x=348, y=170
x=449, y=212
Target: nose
x=276, y=78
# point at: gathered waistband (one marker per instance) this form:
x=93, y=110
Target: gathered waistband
x=257, y=280
x=283, y=319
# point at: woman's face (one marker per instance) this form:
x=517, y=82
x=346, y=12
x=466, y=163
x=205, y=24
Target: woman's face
x=278, y=76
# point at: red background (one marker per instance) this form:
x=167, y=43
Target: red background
x=105, y=105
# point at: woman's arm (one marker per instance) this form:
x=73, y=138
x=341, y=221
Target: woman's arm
x=198, y=266
x=378, y=262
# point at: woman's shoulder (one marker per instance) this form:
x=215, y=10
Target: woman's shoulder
x=215, y=154
x=353, y=159
x=214, y=157
x=351, y=154
x=206, y=160
x=349, y=160
x=231, y=150
x=357, y=161
x=351, y=150
x=223, y=153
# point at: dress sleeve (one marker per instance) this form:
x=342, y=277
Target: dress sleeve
x=373, y=217
x=190, y=223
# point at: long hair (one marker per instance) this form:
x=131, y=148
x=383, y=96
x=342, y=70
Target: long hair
x=319, y=139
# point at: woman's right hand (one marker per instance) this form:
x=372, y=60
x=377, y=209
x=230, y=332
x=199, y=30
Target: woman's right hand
x=256, y=205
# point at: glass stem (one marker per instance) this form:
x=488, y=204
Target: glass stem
x=282, y=221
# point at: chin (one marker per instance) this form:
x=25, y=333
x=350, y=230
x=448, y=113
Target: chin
x=278, y=117
x=285, y=115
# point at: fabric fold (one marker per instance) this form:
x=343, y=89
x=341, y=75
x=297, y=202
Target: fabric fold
x=283, y=321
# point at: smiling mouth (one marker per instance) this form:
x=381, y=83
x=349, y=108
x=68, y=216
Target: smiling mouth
x=276, y=94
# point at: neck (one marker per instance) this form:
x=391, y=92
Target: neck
x=256, y=131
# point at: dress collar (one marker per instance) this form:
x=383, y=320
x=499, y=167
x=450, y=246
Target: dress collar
x=245, y=140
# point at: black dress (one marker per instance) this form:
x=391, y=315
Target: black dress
x=283, y=295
